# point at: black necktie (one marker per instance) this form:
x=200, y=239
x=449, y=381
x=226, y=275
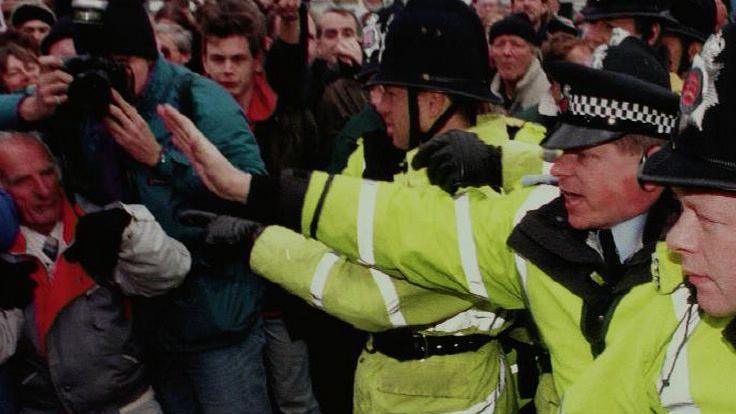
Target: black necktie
x=610, y=256
x=51, y=248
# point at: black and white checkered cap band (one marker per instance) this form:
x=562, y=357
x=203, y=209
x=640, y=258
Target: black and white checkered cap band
x=582, y=105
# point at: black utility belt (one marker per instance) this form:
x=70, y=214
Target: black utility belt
x=407, y=345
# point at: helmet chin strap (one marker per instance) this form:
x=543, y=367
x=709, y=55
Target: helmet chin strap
x=416, y=136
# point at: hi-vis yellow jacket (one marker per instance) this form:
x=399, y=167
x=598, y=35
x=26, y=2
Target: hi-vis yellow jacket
x=462, y=245
x=676, y=359
x=469, y=382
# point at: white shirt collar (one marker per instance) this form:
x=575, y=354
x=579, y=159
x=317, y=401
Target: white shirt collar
x=629, y=236
x=36, y=240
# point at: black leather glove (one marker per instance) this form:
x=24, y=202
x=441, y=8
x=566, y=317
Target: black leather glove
x=16, y=285
x=225, y=233
x=97, y=243
x=382, y=159
x=457, y=159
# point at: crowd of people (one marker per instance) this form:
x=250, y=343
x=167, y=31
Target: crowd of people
x=421, y=206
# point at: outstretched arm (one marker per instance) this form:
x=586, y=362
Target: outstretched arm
x=423, y=234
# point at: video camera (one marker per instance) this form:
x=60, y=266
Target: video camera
x=94, y=71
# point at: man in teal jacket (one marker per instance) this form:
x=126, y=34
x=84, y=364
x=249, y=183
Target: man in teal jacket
x=205, y=337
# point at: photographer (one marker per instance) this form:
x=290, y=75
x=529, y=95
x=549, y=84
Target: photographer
x=205, y=337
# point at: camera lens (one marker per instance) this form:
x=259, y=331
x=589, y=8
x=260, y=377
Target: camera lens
x=90, y=92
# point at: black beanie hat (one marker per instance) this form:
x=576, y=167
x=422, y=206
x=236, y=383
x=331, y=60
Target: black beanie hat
x=517, y=24
x=126, y=30
x=62, y=29
x=26, y=12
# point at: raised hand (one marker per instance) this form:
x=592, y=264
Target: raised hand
x=131, y=131
x=51, y=91
x=215, y=171
x=349, y=52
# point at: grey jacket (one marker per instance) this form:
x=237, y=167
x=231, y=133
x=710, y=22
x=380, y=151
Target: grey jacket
x=529, y=90
x=92, y=361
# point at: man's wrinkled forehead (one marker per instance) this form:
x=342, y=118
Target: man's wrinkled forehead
x=13, y=149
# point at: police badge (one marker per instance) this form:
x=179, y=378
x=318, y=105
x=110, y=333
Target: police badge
x=699, y=92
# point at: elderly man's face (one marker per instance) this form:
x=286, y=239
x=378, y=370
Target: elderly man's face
x=512, y=56
x=596, y=198
x=35, y=29
x=31, y=178
x=705, y=238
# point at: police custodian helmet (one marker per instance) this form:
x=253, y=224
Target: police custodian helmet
x=620, y=9
x=703, y=154
x=437, y=45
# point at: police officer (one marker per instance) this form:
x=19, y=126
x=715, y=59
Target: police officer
x=641, y=19
x=686, y=361
x=696, y=20
x=607, y=19
x=432, y=352
x=545, y=249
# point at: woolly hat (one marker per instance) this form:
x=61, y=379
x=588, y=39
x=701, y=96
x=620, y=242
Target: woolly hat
x=517, y=24
x=27, y=11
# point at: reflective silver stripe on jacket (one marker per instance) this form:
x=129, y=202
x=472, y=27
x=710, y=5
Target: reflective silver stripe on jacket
x=466, y=243
x=674, y=379
x=536, y=199
x=366, y=215
x=319, y=279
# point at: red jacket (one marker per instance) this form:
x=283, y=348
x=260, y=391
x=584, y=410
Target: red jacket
x=68, y=281
x=78, y=352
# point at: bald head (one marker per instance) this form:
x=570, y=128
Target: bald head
x=30, y=175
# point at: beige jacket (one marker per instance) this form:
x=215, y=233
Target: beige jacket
x=529, y=90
